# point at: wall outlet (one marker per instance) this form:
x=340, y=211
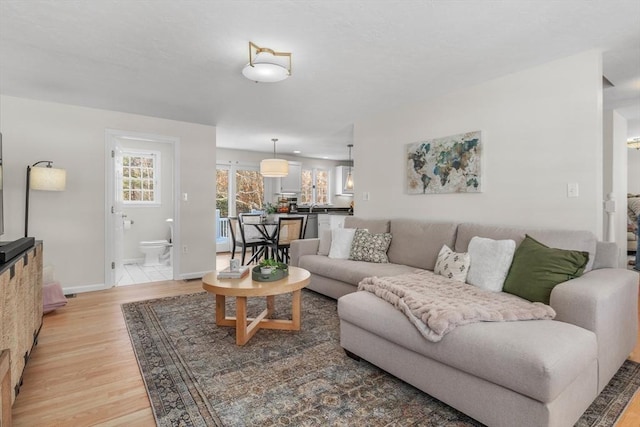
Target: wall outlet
x=185, y=197
x=365, y=196
x=185, y=249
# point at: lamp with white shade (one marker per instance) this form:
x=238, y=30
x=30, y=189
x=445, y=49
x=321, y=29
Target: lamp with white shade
x=274, y=168
x=44, y=179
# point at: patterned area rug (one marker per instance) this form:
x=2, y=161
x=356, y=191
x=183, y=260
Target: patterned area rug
x=196, y=376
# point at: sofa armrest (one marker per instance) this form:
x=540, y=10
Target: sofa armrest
x=604, y=301
x=302, y=247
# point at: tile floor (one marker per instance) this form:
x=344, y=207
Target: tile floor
x=137, y=273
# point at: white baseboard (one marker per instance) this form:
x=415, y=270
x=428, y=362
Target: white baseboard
x=190, y=276
x=84, y=288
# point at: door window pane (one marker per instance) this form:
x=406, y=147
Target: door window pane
x=249, y=190
x=222, y=192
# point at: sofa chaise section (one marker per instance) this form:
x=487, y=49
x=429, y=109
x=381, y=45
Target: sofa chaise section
x=525, y=373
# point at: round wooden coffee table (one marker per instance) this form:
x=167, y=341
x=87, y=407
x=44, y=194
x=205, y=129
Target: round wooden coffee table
x=243, y=288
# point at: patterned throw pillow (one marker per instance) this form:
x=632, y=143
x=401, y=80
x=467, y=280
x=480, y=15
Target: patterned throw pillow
x=453, y=265
x=370, y=247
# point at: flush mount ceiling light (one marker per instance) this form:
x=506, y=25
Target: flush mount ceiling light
x=266, y=65
x=274, y=168
x=634, y=143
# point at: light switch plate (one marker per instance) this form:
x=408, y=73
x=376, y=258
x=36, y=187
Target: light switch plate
x=572, y=189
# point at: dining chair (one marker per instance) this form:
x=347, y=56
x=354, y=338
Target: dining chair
x=290, y=228
x=257, y=245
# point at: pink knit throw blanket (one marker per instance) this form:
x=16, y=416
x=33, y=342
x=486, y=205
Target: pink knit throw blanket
x=436, y=305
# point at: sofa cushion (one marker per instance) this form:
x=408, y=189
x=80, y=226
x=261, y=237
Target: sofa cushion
x=537, y=358
x=537, y=269
x=452, y=265
x=373, y=225
x=563, y=239
x=490, y=262
x=325, y=242
x=349, y=271
x=417, y=243
x=370, y=247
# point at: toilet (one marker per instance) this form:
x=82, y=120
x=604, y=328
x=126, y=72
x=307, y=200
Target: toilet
x=153, y=250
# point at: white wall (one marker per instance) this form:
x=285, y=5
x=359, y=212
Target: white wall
x=633, y=171
x=541, y=129
x=149, y=222
x=72, y=223
x=615, y=180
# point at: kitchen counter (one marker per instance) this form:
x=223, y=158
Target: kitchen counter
x=332, y=210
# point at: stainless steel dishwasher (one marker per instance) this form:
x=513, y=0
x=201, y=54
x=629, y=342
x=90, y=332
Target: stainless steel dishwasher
x=311, y=231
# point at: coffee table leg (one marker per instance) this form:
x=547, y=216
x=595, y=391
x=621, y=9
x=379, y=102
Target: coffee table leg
x=241, y=321
x=296, y=310
x=270, y=305
x=220, y=310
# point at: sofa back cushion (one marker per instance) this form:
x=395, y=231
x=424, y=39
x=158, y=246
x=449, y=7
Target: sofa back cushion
x=417, y=242
x=374, y=226
x=563, y=239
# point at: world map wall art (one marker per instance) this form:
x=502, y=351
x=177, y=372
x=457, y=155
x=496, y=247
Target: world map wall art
x=445, y=165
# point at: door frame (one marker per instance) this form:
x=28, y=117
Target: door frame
x=110, y=142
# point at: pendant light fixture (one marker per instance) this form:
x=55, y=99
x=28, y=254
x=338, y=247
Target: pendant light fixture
x=274, y=168
x=266, y=65
x=348, y=184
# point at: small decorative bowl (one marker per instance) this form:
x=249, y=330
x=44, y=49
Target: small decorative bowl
x=276, y=274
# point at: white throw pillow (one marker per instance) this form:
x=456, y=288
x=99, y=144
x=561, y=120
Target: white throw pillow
x=490, y=262
x=451, y=264
x=341, y=239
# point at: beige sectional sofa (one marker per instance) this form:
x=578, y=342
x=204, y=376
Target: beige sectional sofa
x=527, y=373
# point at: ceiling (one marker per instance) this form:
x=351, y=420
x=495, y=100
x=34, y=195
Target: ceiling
x=182, y=60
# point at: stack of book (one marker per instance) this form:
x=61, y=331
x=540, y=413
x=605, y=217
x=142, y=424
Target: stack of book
x=228, y=274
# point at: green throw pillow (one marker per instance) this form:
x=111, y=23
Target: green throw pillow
x=537, y=268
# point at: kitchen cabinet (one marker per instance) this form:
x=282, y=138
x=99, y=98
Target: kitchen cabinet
x=341, y=173
x=329, y=222
x=337, y=221
x=324, y=223
x=292, y=183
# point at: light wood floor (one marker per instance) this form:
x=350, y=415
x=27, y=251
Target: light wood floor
x=83, y=372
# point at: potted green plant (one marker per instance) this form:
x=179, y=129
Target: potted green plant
x=269, y=208
x=269, y=266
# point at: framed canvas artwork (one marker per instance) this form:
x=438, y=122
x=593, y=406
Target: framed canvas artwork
x=445, y=165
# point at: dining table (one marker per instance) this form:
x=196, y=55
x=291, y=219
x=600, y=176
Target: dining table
x=267, y=229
